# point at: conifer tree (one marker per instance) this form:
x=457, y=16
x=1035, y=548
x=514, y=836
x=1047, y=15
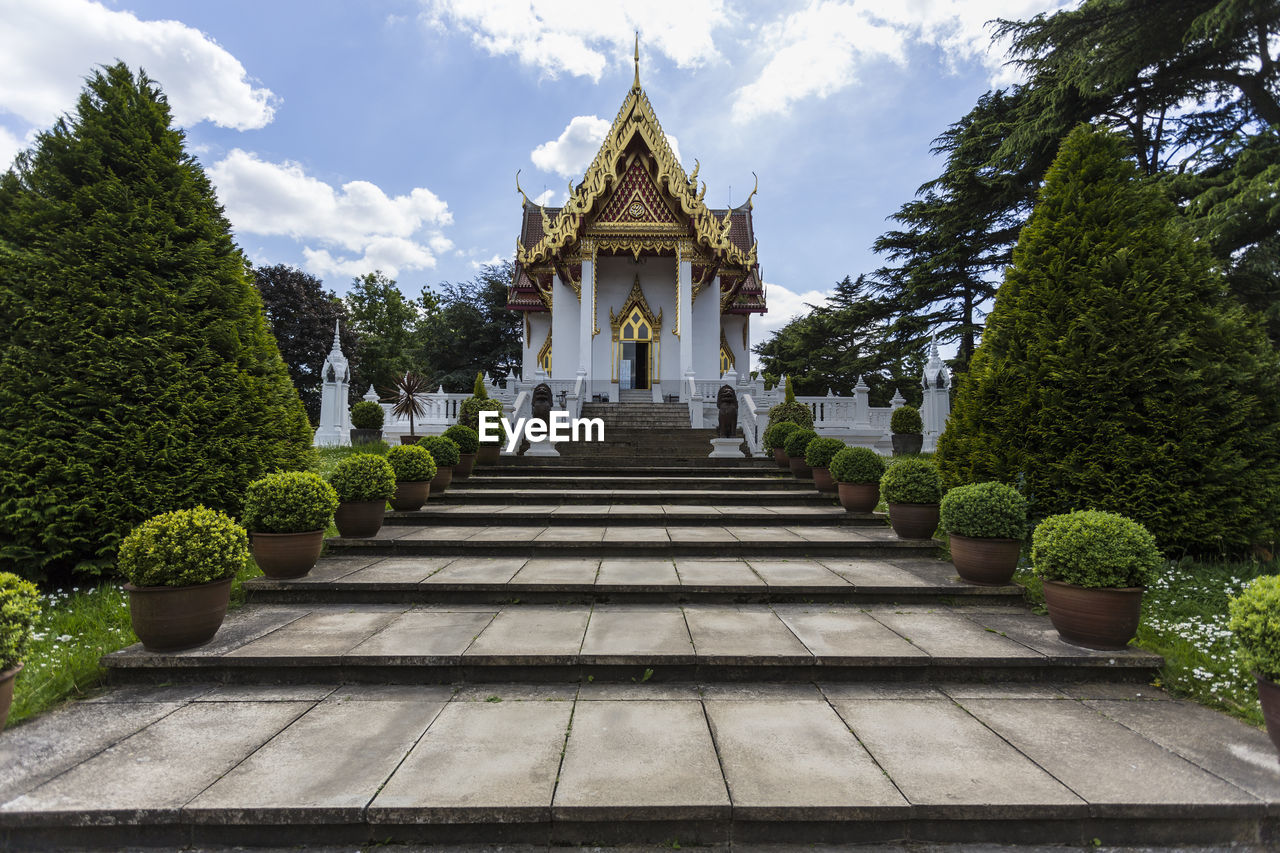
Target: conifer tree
x=1115, y=373
x=139, y=375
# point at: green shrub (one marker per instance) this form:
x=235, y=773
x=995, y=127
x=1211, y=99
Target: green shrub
x=1092, y=548
x=1255, y=620
x=911, y=480
x=775, y=435
x=857, y=465
x=906, y=420
x=443, y=450
x=819, y=452
x=139, y=372
x=290, y=502
x=364, y=477
x=984, y=510
x=412, y=463
x=793, y=412
x=472, y=416
x=477, y=388
x=1117, y=372
x=463, y=436
x=184, y=548
x=367, y=415
x=19, y=609
x=788, y=393
x=798, y=442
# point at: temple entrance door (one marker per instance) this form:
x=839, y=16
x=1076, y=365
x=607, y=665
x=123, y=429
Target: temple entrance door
x=635, y=356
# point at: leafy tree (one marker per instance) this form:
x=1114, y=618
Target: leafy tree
x=467, y=327
x=301, y=314
x=139, y=375
x=1116, y=373
x=383, y=320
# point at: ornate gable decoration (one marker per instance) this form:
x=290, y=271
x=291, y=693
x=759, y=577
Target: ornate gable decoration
x=636, y=205
x=635, y=300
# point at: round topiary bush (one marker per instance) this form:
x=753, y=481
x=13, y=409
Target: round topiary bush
x=183, y=548
x=412, y=463
x=985, y=511
x=486, y=405
x=796, y=413
x=775, y=435
x=1094, y=549
x=1255, y=620
x=911, y=480
x=289, y=502
x=19, y=609
x=363, y=477
x=443, y=450
x=819, y=452
x=798, y=442
x=463, y=436
x=367, y=415
x=906, y=420
x=856, y=465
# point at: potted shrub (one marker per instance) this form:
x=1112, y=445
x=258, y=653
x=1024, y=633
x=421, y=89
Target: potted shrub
x=287, y=514
x=790, y=410
x=467, y=440
x=857, y=472
x=1255, y=620
x=364, y=483
x=912, y=487
x=179, y=566
x=487, y=452
x=775, y=439
x=414, y=467
x=818, y=455
x=985, y=524
x=405, y=403
x=1095, y=566
x=907, y=429
x=366, y=422
x=19, y=609
x=445, y=454
x=795, y=446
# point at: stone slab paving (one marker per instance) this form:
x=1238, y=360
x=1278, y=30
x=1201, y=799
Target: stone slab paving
x=668, y=761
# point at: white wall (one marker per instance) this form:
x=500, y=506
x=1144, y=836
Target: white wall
x=564, y=337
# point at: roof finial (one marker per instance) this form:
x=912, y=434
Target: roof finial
x=635, y=84
x=522, y=195
x=337, y=344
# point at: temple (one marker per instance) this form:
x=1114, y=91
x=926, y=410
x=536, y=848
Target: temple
x=635, y=286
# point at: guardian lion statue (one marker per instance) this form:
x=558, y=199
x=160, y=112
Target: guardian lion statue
x=542, y=400
x=727, y=403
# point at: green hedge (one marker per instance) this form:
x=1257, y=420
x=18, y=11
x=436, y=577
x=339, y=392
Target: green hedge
x=367, y=415
x=363, y=477
x=184, y=548
x=984, y=510
x=796, y=413
x=442, y=449
x=857, y=465
x=819, y=452
x=911, y=480
x=775, y=435
x=1255, y=621
x=1091, y=548
x=798, y=442
x=289, y=502
x=906, y=420
x=19, y=609
x=411, y=463
x=463, y=436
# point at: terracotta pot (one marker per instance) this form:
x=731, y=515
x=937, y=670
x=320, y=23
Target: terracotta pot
x=1094, y=618
x=488, y=454
x=365, y=436
x=989, y=562
x=466, y=462
x=411, y=495
x=359, y=519
x=801, y=470
x=914, y=521
x=6, y=692
x=780, y=456
x=410, y=439
x=907, y=443
x=287, y=555
x=822, y=479
x=442, y=479
x=859, y=497
x=169, y=618
x=1269, y=697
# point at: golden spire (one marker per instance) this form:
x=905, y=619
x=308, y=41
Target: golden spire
x=635, y=84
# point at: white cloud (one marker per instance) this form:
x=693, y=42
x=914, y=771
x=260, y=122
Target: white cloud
x=10, y=145
x=490, y=262
x=821, y=49
x=569, y=154
x=391, y=233
x=545, y=198
x=784, y=306
x=47, y=47
x=582, y=37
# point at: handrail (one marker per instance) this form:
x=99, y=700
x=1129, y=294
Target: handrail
x=749, y=419
x=695, y=403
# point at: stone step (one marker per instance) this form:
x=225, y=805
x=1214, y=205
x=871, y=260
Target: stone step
x=619, y=480
x=744, y=468
x=601, y=540
x=626, y=580
x=460, y=494
x=630, y=764
x=464, y=643
x=648, y=515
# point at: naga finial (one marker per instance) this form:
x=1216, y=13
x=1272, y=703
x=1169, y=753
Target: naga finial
x=635, y=84
x=522, y=195
x=751, y=206
x=693, y=176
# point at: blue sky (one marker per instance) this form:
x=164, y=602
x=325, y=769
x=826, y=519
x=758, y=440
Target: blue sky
x=344, y=137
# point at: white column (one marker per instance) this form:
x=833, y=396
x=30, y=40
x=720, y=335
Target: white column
x=564, y=332
x=586, y=321
x=684, y=307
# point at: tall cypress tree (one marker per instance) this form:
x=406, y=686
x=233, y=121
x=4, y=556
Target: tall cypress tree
x=137, y=371
x=1115, y=372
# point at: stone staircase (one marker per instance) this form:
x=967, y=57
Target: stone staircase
x=639, y=434
x=677, y=655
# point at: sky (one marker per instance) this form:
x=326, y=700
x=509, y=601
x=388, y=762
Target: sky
x=347, y=137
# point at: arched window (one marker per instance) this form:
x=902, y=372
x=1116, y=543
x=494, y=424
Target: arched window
x=726, y=360
x=636, y=327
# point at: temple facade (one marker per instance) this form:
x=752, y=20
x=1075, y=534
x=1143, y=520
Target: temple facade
x=635, y=285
